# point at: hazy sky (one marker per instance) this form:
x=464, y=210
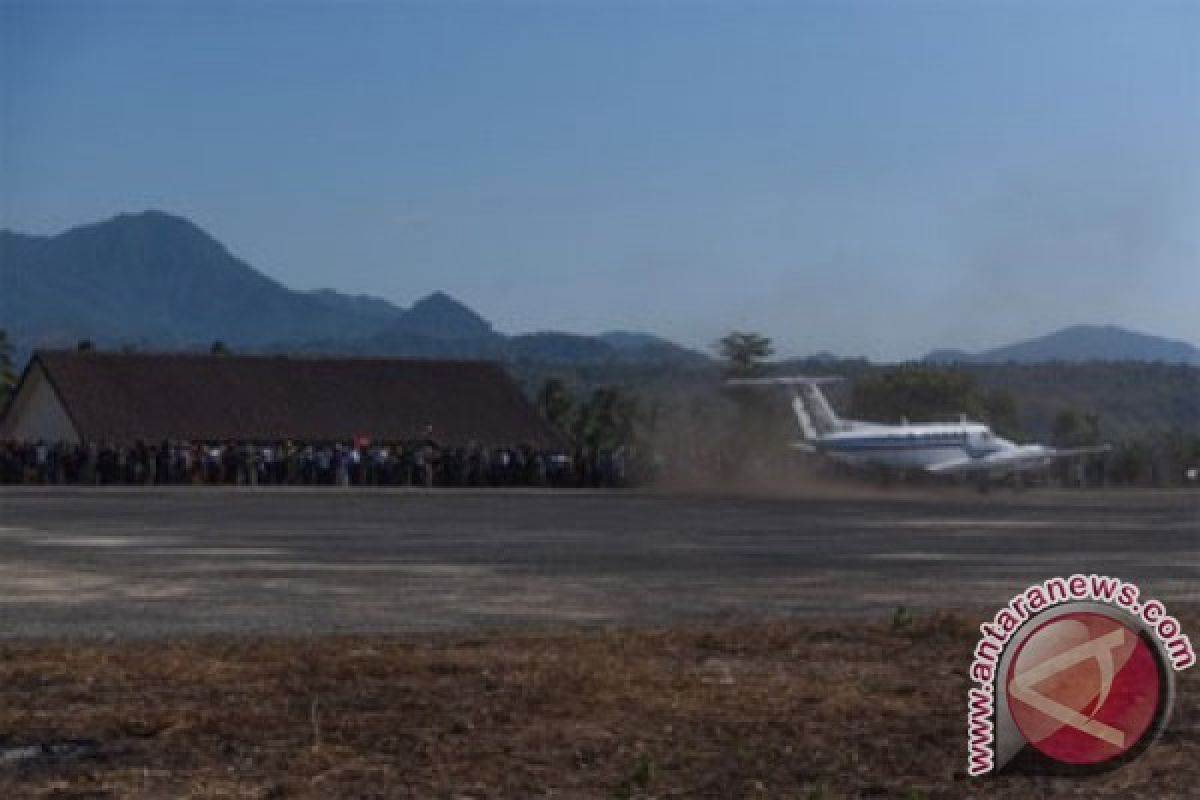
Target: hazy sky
x=868, y=178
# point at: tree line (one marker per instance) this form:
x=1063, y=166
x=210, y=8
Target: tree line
x=690, y=410
x=732, y=426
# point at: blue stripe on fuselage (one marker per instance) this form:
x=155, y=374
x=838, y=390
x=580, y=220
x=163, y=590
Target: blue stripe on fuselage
x=956, y=442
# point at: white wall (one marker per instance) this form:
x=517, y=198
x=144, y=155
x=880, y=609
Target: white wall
x=37, y=413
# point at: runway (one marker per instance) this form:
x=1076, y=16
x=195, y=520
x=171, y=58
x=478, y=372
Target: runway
x=131, y=563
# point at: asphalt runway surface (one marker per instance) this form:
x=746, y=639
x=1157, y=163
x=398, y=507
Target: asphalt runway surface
x=117, y=562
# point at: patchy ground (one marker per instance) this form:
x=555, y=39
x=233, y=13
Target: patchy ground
x=177, y=561
x=788, y=709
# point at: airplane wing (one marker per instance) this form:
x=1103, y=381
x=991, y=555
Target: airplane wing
x=1009, y=459
x=1064, y=452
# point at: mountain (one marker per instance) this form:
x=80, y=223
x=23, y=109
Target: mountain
x=647, y=347
x=365, y=306
x=439, y=316
x=1080, y=343
x=156, y=280
x=560, y=348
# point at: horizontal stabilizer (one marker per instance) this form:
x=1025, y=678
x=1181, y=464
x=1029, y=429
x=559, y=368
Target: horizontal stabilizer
x=786, y=380
x=813, y=412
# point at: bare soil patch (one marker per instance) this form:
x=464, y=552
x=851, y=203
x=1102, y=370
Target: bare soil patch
x=789, y=709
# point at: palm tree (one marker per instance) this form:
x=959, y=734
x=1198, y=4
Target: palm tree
x=744, y=352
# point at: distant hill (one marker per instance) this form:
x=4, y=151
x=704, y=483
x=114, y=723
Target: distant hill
x=1080, y=343
x=439, y=316
x=647, y=347
x=154, y=278
x=365, y=306
x=157, y=281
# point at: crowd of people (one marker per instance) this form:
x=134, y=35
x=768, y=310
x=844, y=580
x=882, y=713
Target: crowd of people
x=362, y=463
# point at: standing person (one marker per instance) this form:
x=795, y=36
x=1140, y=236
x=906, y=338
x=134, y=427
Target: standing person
x=183, y=455
x=406, y=454
x=289, y=463
x=341, y=465
x=162, y=462
x=308, y=460
x=324, y=463
x=429, y=449
x=41, y=457
x=539, y=468
x=420, y=466
x=88, y=474
x=120, y=468
x=378, y=458
x=279, y=458
x=212, y=464
x=151, y=455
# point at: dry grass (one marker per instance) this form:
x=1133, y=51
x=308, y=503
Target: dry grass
x=806, y=710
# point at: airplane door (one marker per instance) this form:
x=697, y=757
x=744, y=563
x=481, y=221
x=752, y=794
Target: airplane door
x=980, y=443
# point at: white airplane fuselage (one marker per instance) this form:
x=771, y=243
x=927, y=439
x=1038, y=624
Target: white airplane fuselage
x=944, y=448
x=925, y=447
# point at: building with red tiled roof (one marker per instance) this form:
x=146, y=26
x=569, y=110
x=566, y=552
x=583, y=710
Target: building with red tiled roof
x=128, y=397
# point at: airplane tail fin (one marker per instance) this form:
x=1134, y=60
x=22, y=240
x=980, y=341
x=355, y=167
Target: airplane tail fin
x=813, y=412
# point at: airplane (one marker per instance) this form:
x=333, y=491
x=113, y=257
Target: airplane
x=955, y=448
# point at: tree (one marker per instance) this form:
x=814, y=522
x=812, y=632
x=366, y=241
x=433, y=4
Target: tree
x=555, y=403
x=219, y=348
x=917, y=393
x=8, y=375
x=1183, y=452
x=607, y=419
x=1131, y=464
x=1000, y=412
x=85, y=346
x=1073, y=429
x=744, y=353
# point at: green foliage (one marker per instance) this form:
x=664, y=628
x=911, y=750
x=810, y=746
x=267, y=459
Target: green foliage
x=643, y=773
x=1183, y=449
x=555, y=403
x=819, y=792
x=1132, y=463
x=1000, y=412
x=917, y=393
x=606, y=419
x=1075, y=429
x=8, y=374
x=1133, y=400
x=639, y=779
x=1127, y=403
x=743, y=353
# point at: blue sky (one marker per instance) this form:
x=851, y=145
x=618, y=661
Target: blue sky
x=875, y=178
